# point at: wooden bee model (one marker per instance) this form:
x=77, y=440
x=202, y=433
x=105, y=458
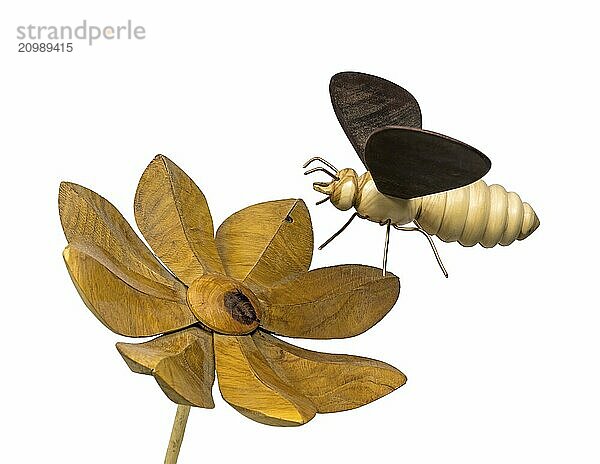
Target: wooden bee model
x=415, y=175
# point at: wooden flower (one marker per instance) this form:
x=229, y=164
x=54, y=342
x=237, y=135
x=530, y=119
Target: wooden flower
x=227, y=294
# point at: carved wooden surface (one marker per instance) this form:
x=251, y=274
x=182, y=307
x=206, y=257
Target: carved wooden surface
x=251, y=278
x=276, y=383
x=119, y=306
x=363, y=103
x=176, y=439
x=224, y=305
x=409, y=163
x=414, y=174
x=267, y=243
x=174, y=218
x=248, y=383
x=182, y=363
x=331, y=302
x=332, y=382
x=476, y=213
x=97, y=228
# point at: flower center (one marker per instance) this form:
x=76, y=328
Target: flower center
x=224, y=305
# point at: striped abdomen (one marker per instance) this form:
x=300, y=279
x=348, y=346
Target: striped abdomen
x=477, y=213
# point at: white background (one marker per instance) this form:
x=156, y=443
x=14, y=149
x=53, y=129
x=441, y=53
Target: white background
x=502, y=358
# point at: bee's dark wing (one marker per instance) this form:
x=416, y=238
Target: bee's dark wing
x=408, y=163
x=364, y=103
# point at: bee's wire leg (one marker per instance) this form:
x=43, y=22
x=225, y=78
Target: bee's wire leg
x=430, y=240
x=386, y=246
x=322, y=160
x=320, y=202
x=328, y=241
x=433, y=247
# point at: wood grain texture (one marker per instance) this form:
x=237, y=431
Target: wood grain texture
x=173, y=216
x=250, y=385
x=331, y=302
x=332, y=382
x=96, y=227
x=182, y=363
x=176, y=439
x=409, y=163
x=476, y=213
x=363, y=103
x=530, y=221
x=224, y=305
x=265, y=248
x=372, y=205
x=435, y=206
x=514, y=219
x=344, y=195
x=122, y=308
x=455, y=215
x=265, y=244
x=497, y=218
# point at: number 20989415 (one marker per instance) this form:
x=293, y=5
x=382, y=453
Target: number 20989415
x=45, y=47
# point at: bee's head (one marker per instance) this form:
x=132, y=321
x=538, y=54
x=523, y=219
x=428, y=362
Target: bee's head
x=341, y=190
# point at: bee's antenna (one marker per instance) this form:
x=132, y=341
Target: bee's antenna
x=328, y=241
x=322, y=169
x=435, y=252
x=322, y=160
x=320, y=202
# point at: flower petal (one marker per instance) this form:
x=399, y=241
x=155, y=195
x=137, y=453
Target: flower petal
x=267, y=243
x=331, y=302
x=248, y=383
x=98, y=229
x=174, y=218
x=182, y=363
x=332, y=382
x=122, y=308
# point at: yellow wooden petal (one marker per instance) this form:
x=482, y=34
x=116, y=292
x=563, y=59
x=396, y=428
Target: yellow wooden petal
x=174, y=218
x=119, y=306
x=248, y=383
x=267, y=243
x=332, y=382
x=182, y=363
x=331, y=302
x=96, y=227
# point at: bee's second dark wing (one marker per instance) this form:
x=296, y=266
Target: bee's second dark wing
x=408, y=163
x=364, y=103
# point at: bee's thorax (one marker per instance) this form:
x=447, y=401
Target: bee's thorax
x=360, y=192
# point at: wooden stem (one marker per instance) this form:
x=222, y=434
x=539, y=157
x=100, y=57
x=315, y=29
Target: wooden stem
x=181, y=418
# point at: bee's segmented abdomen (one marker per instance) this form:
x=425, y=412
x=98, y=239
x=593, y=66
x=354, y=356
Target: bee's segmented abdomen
x=477, y=213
